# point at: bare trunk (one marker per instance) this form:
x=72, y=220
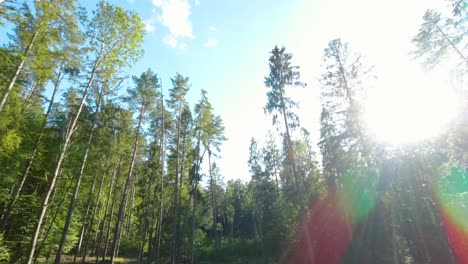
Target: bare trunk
x=85, y=220
x=106, y=244
x=175, y=235
x=106, y=210
x=290, y=150
x=125, y=192
x=93, y=216
x=144, y=227
x=179, y=241
x=162, y=159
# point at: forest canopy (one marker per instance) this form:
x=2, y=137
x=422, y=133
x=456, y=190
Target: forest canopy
x=100, y=167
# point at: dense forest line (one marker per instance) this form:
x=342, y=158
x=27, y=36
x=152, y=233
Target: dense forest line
x=92, y=173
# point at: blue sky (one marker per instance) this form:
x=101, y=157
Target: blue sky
x=223, y=47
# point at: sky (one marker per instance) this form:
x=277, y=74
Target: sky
x=223, y=47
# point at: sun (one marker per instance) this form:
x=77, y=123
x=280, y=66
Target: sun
x=410, y=108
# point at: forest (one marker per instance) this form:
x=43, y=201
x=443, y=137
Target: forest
x=95, y=171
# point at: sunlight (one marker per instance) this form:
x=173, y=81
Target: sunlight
x=415, y=107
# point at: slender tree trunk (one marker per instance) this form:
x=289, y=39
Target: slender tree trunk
x=117, y=231
x=91, y=223
x=179, y=241
x=215, y=212
x=290, y=150
x=163, y=163
x=195, y=191
x=109, y=226
x=85, y=220
x=71, y=206
x=192, y=231
x=28, y=97
x=52, y=221
x=175, y=235
x=18, y=70
x=106, y=210
x=14, y=199
x=144, y=227
x=66, y=143
x=465, y=59
x=130, y=209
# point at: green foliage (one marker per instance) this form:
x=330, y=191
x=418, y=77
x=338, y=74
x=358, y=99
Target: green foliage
x=152, y=186
x=4, y=251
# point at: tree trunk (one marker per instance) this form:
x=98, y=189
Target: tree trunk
x=175, y=235
x=215, y=210
x=28, y=97
x=108, y=231
x=66, y=143
x=93, y=216
x=58, y=256
x=7, y=213
x=162, y=160
x=451, y=43
x=85, y=219
x=18, y=71
x=290, y=150
x=106, y=210
x=117, y=231
x=52, y=221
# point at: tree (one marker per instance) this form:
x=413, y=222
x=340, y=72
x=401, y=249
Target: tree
x=211, y=134
x=437, y=36
x=37, y=34
x=342, y=137
x=177, y=103
x=282, y=75
x=142, y=98
x=115, y=37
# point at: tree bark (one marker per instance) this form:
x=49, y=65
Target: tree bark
x=106, y=210
x=85, y=220
x=117, y=231
x=93, y=216
x=175, y=235
x=18, y=70
x=71, y=206
x=163, y=163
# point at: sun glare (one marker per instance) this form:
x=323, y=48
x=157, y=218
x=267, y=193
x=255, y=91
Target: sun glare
x=410, y=109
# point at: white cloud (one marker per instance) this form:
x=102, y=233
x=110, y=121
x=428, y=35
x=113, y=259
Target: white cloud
x=211, y=43
x=150, y=24
x=175, y=16
x=197, y=2
x=170, y=40
x=174, y=42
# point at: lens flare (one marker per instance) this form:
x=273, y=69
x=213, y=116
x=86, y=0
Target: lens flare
x=326, y=233
x=452, y=194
